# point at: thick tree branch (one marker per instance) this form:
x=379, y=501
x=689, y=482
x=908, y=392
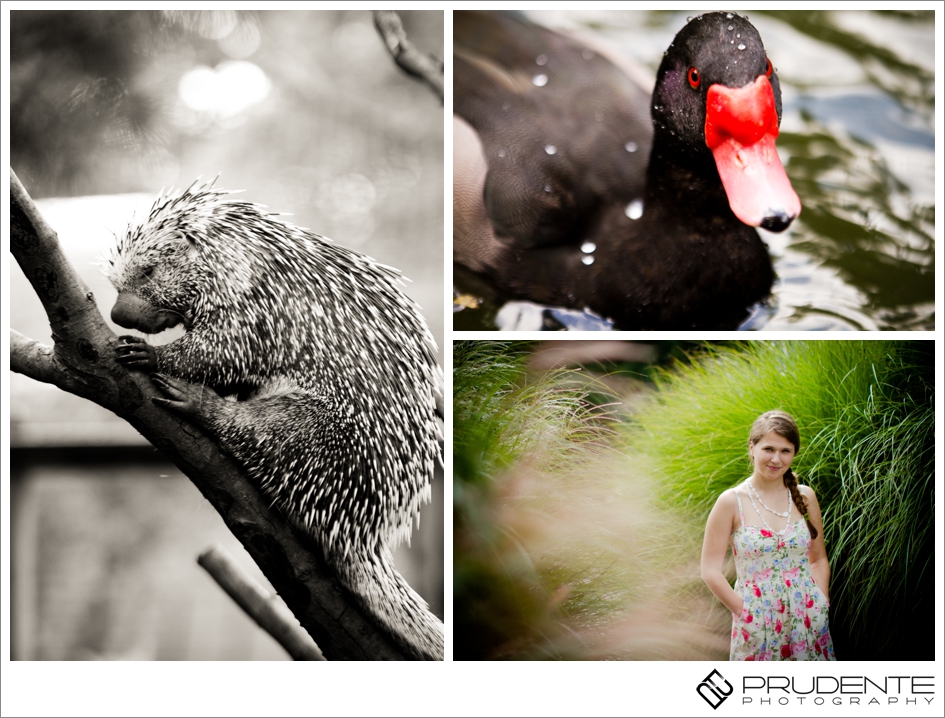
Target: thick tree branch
x=408, y=58
x=82, y=361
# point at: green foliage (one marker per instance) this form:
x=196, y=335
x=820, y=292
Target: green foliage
x=865, y=413
x=484, y=374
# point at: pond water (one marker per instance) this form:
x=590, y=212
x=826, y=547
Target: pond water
x=858, y=143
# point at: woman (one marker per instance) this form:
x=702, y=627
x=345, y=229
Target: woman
x=779, y=603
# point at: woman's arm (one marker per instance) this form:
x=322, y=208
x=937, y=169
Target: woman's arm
x=718, y=529
x=819, y=567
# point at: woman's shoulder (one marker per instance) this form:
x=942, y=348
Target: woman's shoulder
x=727, y=499
x=725, y=511
x=806, y=491
x=809, y=496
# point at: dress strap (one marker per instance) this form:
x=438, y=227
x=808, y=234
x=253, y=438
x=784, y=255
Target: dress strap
x=741, y=516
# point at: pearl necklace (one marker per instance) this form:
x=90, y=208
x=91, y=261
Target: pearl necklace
x=783, y=515
x=752, y=495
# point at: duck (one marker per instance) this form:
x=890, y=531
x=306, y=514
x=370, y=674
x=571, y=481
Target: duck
x=576, y=187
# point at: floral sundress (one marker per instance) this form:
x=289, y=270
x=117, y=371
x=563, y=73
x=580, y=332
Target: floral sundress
x=785, y=613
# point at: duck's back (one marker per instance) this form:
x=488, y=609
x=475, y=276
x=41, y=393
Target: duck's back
x=563, y=130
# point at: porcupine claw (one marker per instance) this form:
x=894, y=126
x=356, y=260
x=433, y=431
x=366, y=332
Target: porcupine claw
x=189, y=399
x=171, y=388
x=135, y=353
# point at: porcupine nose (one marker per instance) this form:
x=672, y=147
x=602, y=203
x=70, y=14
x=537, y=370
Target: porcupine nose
x=121, y=314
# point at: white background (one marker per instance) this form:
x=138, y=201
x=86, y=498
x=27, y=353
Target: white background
x=541, y=689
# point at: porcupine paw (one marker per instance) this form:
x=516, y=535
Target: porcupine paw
x=135, y=353
x=189, y=399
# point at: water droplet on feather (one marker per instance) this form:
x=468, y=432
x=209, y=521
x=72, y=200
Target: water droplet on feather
x=634, y=210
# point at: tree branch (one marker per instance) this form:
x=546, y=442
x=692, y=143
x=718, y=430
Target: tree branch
x=264, y=608
x=32, y=358
x=415, y=63
x=82, y=362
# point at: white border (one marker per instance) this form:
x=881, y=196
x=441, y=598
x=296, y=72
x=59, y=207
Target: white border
x=456, y=689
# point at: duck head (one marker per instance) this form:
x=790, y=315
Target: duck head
x=717, y=92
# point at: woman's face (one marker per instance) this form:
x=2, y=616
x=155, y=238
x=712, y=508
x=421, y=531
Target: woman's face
x=771, y=456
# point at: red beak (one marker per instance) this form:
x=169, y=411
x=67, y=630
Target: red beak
x=741, y=125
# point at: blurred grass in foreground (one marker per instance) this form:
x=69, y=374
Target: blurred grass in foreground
x=560, y=549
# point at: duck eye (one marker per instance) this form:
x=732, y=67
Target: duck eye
x=694, y=78
x=768, y=69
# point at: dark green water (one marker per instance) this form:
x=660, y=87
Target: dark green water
x=858, y=143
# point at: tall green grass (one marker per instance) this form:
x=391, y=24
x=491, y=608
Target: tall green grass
x=498, y=416
x=866, y=417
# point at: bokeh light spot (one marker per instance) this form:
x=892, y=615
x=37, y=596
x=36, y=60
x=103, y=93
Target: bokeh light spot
x=229, y=89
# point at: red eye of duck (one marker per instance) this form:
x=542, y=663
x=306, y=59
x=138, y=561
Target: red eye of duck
x=768, y=69
x=694, y=78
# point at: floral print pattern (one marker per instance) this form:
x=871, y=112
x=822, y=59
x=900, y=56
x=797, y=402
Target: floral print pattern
x=785, y=613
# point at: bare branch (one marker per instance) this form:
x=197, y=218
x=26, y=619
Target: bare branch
x=263, y=607
x=408, y=58
x=82, y=362
x=30, y=357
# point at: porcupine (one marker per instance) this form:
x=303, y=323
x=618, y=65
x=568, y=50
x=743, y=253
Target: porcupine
x=332, y=366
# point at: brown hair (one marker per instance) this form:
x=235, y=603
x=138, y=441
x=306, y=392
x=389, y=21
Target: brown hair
x=783, y=424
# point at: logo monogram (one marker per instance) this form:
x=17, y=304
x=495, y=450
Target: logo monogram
x=717, y=694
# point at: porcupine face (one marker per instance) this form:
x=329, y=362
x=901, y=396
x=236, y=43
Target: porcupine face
x=157, y=269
